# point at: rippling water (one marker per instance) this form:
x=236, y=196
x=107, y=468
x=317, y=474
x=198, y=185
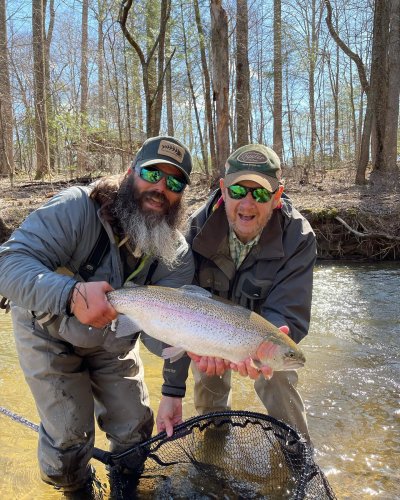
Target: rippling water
x=350, y=386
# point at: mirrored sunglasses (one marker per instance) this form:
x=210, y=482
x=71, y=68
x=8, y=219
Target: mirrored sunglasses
x=153, y=175
x=260, y=194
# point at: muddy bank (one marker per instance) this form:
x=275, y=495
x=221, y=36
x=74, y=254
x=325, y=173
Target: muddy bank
x=350, y=222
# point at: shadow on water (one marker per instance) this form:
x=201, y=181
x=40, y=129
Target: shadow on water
x=350, y=386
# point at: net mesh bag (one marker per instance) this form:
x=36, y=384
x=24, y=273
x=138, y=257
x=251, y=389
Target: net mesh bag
x=233, y=454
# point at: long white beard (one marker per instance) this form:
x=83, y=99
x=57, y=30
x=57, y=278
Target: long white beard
x=152, y=237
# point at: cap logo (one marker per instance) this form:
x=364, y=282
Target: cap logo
x=172, y=150
x=252, y=157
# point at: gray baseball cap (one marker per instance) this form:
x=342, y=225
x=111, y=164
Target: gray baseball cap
x=164, y=149
x=254, y=162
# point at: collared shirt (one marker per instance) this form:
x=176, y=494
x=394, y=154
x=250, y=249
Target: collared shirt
x=238, y=250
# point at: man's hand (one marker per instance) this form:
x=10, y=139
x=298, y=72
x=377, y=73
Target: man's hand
x=89, y=304
x=247, y=367
x=169, y=414
x=217, y=366
x=208, y=365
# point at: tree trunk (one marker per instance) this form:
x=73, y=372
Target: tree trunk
x=84, y=87
x=100, y=61
x=49, y=94
x=277, y=133
x=159, y=93
x=129, y=139
x=242, y=74
x=389, y=154
x=207, y=87
x=366, y=133
x=6, y=111
x=152, y=83
x=41, y=128
x=193, y=96
x=220, y=58
x=312, y=54
x=168, y=85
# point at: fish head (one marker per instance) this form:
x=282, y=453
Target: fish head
x=280, y=356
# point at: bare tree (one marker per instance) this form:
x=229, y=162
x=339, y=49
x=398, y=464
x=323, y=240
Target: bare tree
x=41, y=127
x=168, y=85
x=100, y=58
x=242, y=74
x=384, y=82
x=6, y=111
x=193, y=96
x=220, y=59
x=278, y=138
x=207, y=87
x=84, y=86
x=153, y=110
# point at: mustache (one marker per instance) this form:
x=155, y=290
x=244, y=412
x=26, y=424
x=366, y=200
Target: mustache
x=155, y=195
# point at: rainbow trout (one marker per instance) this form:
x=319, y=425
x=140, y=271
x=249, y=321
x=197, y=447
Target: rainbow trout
x=190, y=319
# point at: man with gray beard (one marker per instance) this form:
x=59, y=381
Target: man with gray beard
x=149, y=232
x=56, y=270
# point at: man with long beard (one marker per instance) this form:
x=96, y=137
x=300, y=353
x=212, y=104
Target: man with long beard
x=120, y=229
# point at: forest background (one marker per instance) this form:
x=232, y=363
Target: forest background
x=83, y=83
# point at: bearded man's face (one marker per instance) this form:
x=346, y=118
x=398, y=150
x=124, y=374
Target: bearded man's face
x=151, y=217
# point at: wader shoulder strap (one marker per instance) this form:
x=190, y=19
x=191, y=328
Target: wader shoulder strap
x=101, y=247
x=152, y=269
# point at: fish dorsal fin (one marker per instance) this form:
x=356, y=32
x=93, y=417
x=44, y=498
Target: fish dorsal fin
x=197, y=290
x=130, y=284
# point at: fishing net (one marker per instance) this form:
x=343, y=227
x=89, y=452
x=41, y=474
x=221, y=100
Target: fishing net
x=231, y=455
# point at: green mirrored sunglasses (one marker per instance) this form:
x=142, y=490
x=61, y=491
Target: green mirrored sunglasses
x=153, y=174
x=260, y=194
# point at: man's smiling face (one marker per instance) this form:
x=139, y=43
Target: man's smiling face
x=246, y=216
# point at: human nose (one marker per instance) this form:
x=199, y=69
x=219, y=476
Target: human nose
x=162, y=184
x=248, y=199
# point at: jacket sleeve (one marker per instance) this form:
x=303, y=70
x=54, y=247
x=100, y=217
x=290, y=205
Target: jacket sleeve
x=44, y=242
x=289, y=299
x=175, y=374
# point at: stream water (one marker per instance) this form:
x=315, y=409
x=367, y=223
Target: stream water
x=350, y=385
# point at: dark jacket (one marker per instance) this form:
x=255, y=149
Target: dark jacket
x=275, y=279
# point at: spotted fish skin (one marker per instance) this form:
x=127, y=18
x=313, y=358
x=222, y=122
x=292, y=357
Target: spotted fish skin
x=190, y=319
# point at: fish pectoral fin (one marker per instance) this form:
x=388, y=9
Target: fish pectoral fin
x=124, y=326
x=255, y=363
x=173, y=353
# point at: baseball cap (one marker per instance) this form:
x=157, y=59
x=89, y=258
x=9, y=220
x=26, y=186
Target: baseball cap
x=254, y=162
x=164, y=149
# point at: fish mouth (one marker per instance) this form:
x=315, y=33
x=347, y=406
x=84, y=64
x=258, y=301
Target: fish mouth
x=293, y=364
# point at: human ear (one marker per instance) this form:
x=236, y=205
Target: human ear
x=277, y=197
x=222, y=187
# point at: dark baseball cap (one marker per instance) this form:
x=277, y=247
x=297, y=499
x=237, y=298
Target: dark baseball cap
x=164, y=149
x=254, y=162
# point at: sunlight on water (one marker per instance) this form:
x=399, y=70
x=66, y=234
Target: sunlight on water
x=350, y=385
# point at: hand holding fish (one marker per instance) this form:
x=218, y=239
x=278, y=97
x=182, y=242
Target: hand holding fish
x=89, y=304
x=209, y=365
x=246, y=368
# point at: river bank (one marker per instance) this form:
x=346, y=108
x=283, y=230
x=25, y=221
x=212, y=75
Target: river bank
x=351, y=222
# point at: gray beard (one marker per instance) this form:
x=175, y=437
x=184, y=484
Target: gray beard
x=149, y=233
